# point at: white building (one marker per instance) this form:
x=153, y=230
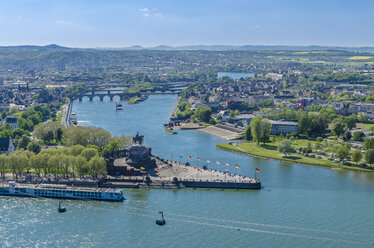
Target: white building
x=284, y=127
x=13, y=122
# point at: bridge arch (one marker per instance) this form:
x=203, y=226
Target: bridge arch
x=116, y=98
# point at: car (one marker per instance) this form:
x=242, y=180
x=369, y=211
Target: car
x=336, y=160
x=346, y=162
x=330, y=159
x=363, y=164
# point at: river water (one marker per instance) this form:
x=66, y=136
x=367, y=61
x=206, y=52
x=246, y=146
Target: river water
x=299, y=206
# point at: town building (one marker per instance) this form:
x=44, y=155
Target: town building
x=6, y=146
x=12, y=121
x=283, y=127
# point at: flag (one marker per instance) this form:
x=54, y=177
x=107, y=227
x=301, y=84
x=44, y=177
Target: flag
x=257, y=170
x=142, y=168
x=156, y=169
x=208, y=161
x=198, y=159
x=128, y=168
x=198, y=169
x=217, y=162
x=237, y=166
x=189, y=157
x=227, y=164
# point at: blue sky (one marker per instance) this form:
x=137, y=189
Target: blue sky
x=115, y=23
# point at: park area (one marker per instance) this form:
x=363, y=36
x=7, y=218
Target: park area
x=324, y=153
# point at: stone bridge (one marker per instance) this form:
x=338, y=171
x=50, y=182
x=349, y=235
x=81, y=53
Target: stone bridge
x=101, y=94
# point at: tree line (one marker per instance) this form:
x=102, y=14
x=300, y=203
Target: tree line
x=74, y=161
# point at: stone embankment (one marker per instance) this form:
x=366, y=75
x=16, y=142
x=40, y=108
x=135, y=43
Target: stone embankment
x=167, y=175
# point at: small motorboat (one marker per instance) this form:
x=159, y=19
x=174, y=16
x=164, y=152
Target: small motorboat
x=161, y=221
x=118, y=106
x=60, y=209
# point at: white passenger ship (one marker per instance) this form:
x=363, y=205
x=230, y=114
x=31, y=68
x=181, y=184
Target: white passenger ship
x=62, y=191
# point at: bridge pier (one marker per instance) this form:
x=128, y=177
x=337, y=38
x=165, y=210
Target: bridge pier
x=91, y=98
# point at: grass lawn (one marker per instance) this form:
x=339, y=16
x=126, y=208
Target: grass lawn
x=269, y=150
x=366, y=125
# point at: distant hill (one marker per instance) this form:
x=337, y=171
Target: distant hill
x=54, y=47
x=51, y=47
x=261, y=47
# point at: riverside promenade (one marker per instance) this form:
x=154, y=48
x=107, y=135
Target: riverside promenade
x=167, y=175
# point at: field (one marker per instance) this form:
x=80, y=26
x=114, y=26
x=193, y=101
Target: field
x=269, y=150
x=360, y=57
x=367, y=126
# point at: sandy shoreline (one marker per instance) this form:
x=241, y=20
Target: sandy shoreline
x=220, y=132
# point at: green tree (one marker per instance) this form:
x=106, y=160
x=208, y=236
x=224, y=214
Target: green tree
x=266, y=128
x=369, y=143
x=304, y=124
x=97, y=166
x=89, y=153
x=4, y=164
x=81, y=166
x=338, y=126
x=256, y=129
x=76, y=150
x=363, y=118
x=357, y=156
x=59, y=133
x=34, y=147
x=112, y=146
x=343, y=152
x=358, y=136
x=347, y=135
x=285, y=147
x=247, y=133
x=350, y=121
x=369, y=156
x=23, y=142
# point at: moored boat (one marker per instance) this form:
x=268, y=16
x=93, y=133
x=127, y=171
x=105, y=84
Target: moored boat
x=118, y=106
x=61, y=191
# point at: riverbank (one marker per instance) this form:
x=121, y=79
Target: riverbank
x=168, y=130
x=269, y=151
x=220, y=132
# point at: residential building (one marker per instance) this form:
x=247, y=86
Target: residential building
x=6, y=146
x=12, y=121
x=284, y=127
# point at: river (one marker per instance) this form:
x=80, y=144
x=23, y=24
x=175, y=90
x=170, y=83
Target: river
x=298, y=206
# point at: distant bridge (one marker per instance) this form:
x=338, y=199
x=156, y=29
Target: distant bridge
x=101, y=94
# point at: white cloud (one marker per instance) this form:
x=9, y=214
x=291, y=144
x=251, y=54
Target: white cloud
x=158, y=15
x=144, y=10
x=19, y=17
x=146, y=15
